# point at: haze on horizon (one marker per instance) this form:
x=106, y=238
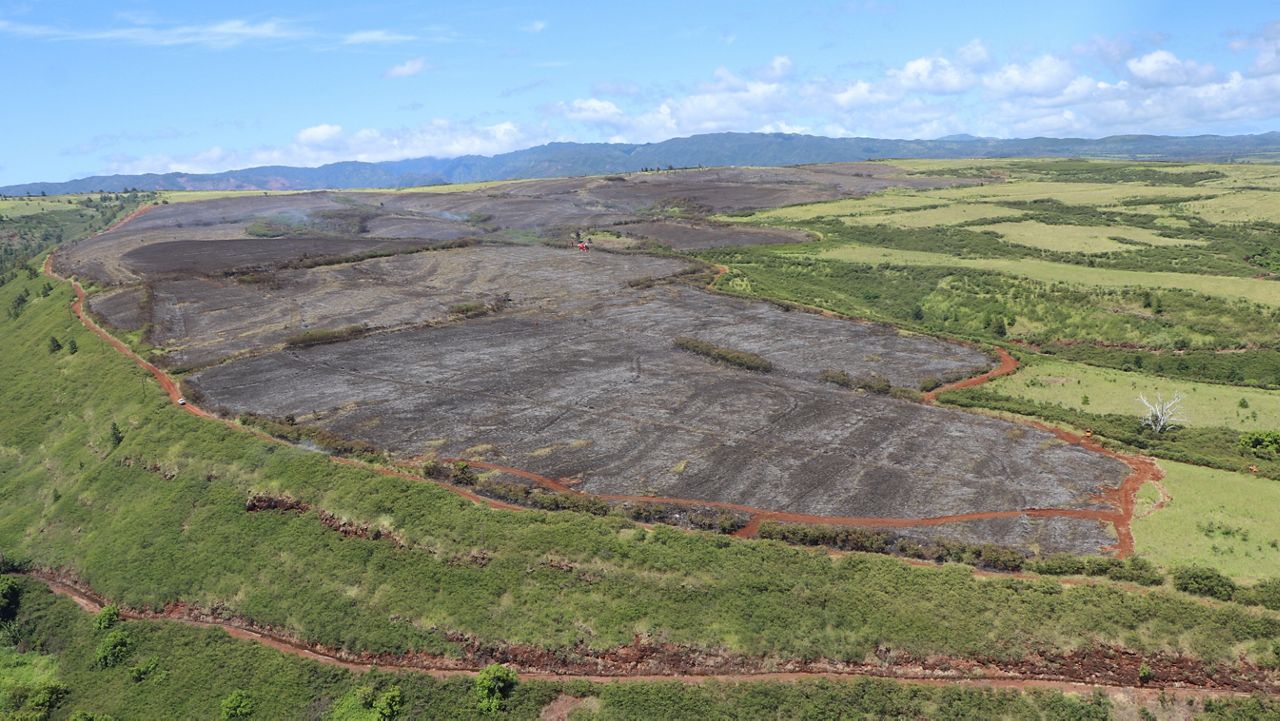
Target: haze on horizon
x=134, y=87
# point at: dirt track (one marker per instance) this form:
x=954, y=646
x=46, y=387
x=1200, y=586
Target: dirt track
x=1112, y=670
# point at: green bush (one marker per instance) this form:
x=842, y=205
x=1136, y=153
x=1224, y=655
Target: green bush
x=1263, y=444
x=728, y=356
x=236, y=705
x=1203, y=581
x=320, y=336
x=492, y=686
x=1263, y=593
x=107, y=618
x=114, y=648
x=10, y=596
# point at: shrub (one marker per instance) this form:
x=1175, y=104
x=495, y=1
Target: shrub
x=838, y=377
x=1263, y=444
x=388, y=704
x=1203, y=581
x=116, y=436
x=10, y=595
x=930, y=383
x=34, y=701
x=320, y=336
x=143, y=671
x=113, y=648
x=493, y=685
x=236, y=705
x=462, y=473
x=728, y=356
x=1136, y=570
x=107, y=618
x=1263, y=593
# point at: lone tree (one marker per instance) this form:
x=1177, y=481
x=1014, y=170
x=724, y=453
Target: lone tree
x=1162, y=413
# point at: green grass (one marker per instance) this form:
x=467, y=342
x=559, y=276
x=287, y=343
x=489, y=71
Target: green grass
x=966, y=302
x=24, y=669
x=193, y=670
x=1114, y=391
x=1256, y=291
x=161, y=518
x=946, y=215
x=195, y=196
x=1077, y=238
x=1217, y=518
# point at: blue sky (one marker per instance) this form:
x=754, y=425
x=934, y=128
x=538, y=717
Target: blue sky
x=127, y=87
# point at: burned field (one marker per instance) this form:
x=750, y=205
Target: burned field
x=482, y=335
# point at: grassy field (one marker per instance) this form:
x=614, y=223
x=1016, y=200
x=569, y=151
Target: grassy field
x=161, y=517
x=1254, y=291
x=193, y=196
x=1216, y=518
x=1103, y=390
x=15, y=207
x=174, y=671
x=1077, y=238
x=945, y=215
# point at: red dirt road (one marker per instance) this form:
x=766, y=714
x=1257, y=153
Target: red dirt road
x=1106, y=669
x=1008, y=364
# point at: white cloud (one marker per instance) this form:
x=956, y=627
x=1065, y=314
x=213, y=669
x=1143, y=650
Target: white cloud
x=780, y=126
x=973, y=53
x=318, y=134
x=1162, y=67
x=779, y=66
x=437, y=138
x=219, y=35
x=407, y=69
x=536, y=26
x=376, y=37
x=593, y=110
x=934, y=75
x=1045, y=75
x=860, y=93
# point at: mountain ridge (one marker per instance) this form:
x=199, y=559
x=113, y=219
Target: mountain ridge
x=714, y=149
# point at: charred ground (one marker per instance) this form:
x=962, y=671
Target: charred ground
x=515, y=349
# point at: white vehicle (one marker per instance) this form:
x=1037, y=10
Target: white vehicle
x=182, y=401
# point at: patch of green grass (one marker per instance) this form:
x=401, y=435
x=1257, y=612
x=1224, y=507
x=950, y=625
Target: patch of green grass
x=950, y=214
x=24, y=669
x=194, y=670
x=1076, y=238
x=969, y=303
x=1256, y=291
x=195, y=196
x=1113, y=391
x=1219, y=519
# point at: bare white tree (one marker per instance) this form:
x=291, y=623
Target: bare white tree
x=1161, y=414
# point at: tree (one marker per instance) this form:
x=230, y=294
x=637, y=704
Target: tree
x=1161, y=414
x=72, y=347
x=493, y=684
x=116, y=435
x=54, y=345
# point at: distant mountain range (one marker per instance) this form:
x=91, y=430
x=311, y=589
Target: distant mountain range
x=715, y=149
